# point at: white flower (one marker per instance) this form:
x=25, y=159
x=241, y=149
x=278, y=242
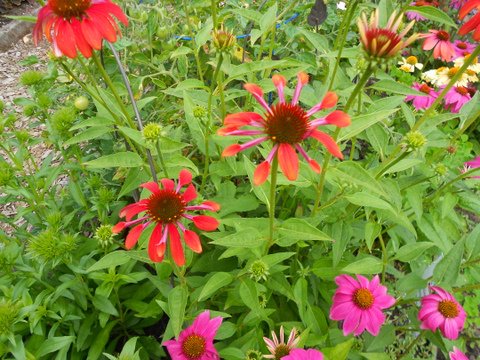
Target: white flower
x=409, y=64
x=441, y=76
x=474, y=66
x=341, y=5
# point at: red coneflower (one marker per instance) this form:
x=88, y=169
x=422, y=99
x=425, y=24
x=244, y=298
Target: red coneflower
x=166, y=207
x=439, y=41
x=286, y=125
x=72, y=25
x=383, y=42
x=474, y=22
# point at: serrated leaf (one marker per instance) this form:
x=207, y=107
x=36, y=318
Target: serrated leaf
x=412, y=251
x=115, y=258
x=217, y=281
x=120, y=159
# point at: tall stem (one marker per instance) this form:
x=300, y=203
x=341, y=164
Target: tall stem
x=214, y=13
x=384, y=256
x=162, y=160
x=135, y=107
x=273, y=193
x=321, y=184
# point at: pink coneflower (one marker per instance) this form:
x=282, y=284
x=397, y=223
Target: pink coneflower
x=301, y=354
x=196, y=341
x=412, y=15
x=473, y=164
x=286, y=125
x=359, y=304
x=456, y=354
x=442, y=311
x=474, y=23
x=456, y=97
x=165, y=208
x=422, y=101
x=78, y=25
x=383, y=42
x=462, y=48
x=439, y=41
x=279, y=349
x=457, y=4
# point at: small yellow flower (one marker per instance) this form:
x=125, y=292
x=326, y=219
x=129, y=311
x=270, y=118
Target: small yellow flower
x=410, y=64
x=473, y=67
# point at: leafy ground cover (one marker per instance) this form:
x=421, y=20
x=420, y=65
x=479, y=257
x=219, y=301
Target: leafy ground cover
x=245, y=179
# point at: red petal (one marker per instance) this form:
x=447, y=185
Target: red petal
x=152, y=186
x=338, y=118
x=469, y=6
x=190, y=194
x=66, y=39
x=231, y=150
x=193, y=241
x=315, y=166
x=253, y=89
x=129, y=211
x=156, y=251
x=261, y=173
x=119, y=227
x=168, y=184
x=470, y=25
x=242, y=119
x=215, y=206
x=279, y=80
x=176, y=247
x=104, y=25
x=133, y=236
x=224, y=131
x=206, y=223
x=113, y=9
x=329, y=101
x=91, y=34
x=303, y=77
x=328, y=142
x=82, y=44
x=288, y=161
x=185, y=177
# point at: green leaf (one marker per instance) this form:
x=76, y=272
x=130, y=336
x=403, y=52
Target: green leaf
x=101, y=339
x=244, y=238
x=404, y=165
x=54, y=344
x=132, y=181
x=367, y=265
x=448, y=269
x=217, y=281
x=375, y=356
x=93, y=122
x=261, y=192
x=112, y=259
x=365, y=199
x=340, y=351
x=296, y=230
x=362, y=122
x=177, y=302
x=394, y=87
x=89, y=134
x=26, y=18
x=120, y=159
x=412, y=251
x=432, y=13
x=249, y=295
x=267, y=21
x=103, y=304
x=133, y=134
x=318, y=41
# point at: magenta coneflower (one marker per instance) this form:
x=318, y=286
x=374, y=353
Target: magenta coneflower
x=462, y=48
x=456, y=354
x=442, y=311
x=78, y=25
x=359, y=303
x=301, y=354
x=439, y=41
x=422, y=101
x=384, y=42
x=196, y=341
x=457, y=4
x=279, y=349
x=473, y=164
x=165, y=208
x=286, y=125
x=456, y=97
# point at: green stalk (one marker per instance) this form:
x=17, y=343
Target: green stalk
x=190, y=33
x=162, y=160
x=214, y=13
x=451, y=182
x=273, y=193
x=384, y=256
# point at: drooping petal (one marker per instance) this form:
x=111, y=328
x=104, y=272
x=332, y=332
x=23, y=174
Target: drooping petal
x=231, y=150
x=91, y=33
x=261, y=173
x=80, y=41
x=133, y=235
x=328, y=142
x=66, y=38
x=205, y=222
x=242, y=119
x=193, y=241
x=338, y=118
x=176, y=247
x=215, y=206
x=288, y=161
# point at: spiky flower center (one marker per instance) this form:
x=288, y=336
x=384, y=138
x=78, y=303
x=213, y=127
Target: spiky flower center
x=448, y=308
x=442, y=35
x=281, y=350
x=425, y=89
x=363, y=298
x=462, y=45
x=461, y=90
x=69, y=8
x=165, y=206
x=194, y=346
x=286, y=123
x=412, y=60
x=451, y=72
x=381, y=42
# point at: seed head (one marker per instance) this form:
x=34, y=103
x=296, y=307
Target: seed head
x=258, y=270
x=415, y=140
x=151, y=132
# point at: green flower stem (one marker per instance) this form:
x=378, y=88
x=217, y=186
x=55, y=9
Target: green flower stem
x=466, y=288
x=273, y=193
x=321, y=184
x=208, y=123
x=135, y=108
x=384, y=256
x=162, y=160
x=464, y=175
x=412, y=344
x=191, y=34
x=213, y=8
x=344, y=31
x=391, y=163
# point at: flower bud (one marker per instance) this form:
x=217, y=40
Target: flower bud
x=151, y=132
x=415, y=140
x=258, y=270
x=104, y=235
x=223, y=40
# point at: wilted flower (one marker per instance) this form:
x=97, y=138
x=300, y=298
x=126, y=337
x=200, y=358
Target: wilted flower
x=383, y=43
x=410, y=64
x=279, y=349
x=422, y=101
x=456, y=354
x=286, y=125
x=165, y=208
x=223, y=40
x=359, y=303
x=78, y=25
x=474, y=22
x=302, y=354
x=196, y=341
x=456, y=97
x=442, y=311
x=439, y=41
